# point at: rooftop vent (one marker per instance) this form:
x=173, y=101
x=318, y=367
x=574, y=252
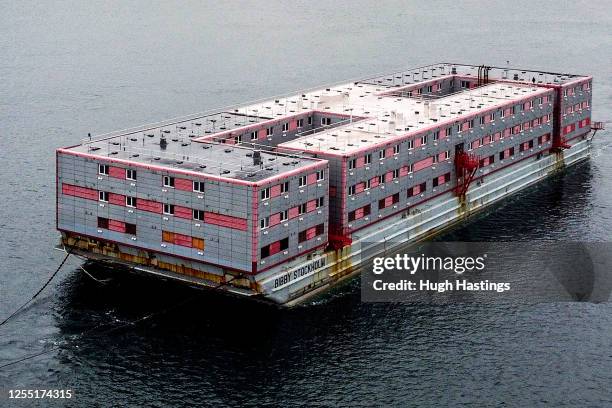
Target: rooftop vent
x=163, y=143
x=257, y=158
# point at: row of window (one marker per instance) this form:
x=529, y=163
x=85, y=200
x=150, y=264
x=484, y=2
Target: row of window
x=254, y=135
x=284, y=187
x=168, y=209
x=104, y=169
x=104, y=223
x=571, y=91
x=284, y=215
x=577, y=107
x=283, y=244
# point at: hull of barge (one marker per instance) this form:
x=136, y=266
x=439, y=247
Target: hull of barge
x=296, y=281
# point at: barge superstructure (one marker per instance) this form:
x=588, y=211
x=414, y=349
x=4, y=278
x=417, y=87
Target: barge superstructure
x=282, y=198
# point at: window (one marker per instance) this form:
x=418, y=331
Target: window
x=103, y=196
x=540, y=100
x=302, y=181
x=130, y=228
x=382, y=154
x=102, y=222
x=168, y=236
x=302, y=209
x=429, y=88
x=265, y=193
x=130, y=174
x=381, y=179
x=368, y=158
x=264, y=223
x=502, y=114
x=424, y=140
x=449, y=131
x=325, y=121
x=513, y=110
x=447, y=155
x=396, y=149
x=395, y=174
x=492, y=116
x=465, y=84
x=481, y=120
x=300, y=123
x=320, y=175
x=351, y=190
x=103, y=169
x=198, y=186
x=265, y=251
x=198, y=215
x=238, y=139
x=436, y=135
x=434, y=158
x=471, y=124
x=320, y=202
x=130, y=201
x=168, y=181
x=410, y=144
x=284, y=244
x=410, y=168
x=565, y=92
x=284, y=187
x=253, y=135
x=285, y=127
x=352, y=164
x=169, y=209
x=368, y=184
x=269, y=131
x=284, y=215
x=310, y=120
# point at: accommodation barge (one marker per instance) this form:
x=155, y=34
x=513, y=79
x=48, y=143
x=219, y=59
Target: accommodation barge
x=282, y=198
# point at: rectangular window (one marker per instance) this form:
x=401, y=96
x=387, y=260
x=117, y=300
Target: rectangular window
x=471, y=124
x=410, y=144
x=481, y=120
x=320, y=202
x=502, y=114
x=102, y=222
x=429, y=88
x=325, y=121
x=285, y=127
x=103, y=169
x=197, y=243
x=284, y=187
x=302, y=181
x=367, y=158
x=320, y=175
x=130, y=174
x=169, y=209
x=198, y=215
x=130, y=201
x=410, y=168
x=265, y=251
x=265, y=193
x=269, y=131
x=264, y=223
x=198, y=186
x=423, y=140
x=300, y=123
x=382, y=154
x=352, y=164
x=395, y=174
x=103, y=196
x=302, y=237
x=284, y=215
x=310, y=120
x=368, y=184
x=130, y=228
x=381, y=180
x=465, y=84
x=253, y=135
x=436, y=135
x=284, y=244
x=168, y=181
x=302, y=209
x=351, y=190
x=396, y=149
x=449, y=131
x=238, y=139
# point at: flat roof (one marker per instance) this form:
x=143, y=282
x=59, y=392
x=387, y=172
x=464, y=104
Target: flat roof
x=388, y=117
x=214, y=159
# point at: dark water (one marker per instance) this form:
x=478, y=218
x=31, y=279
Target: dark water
x=71, y=68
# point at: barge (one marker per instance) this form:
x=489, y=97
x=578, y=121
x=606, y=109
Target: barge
x=280, y=199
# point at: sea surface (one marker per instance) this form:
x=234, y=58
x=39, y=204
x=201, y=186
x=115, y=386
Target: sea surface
x=69, y=68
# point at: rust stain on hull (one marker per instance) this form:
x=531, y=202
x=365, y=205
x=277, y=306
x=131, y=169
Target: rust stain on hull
x=145, y=258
